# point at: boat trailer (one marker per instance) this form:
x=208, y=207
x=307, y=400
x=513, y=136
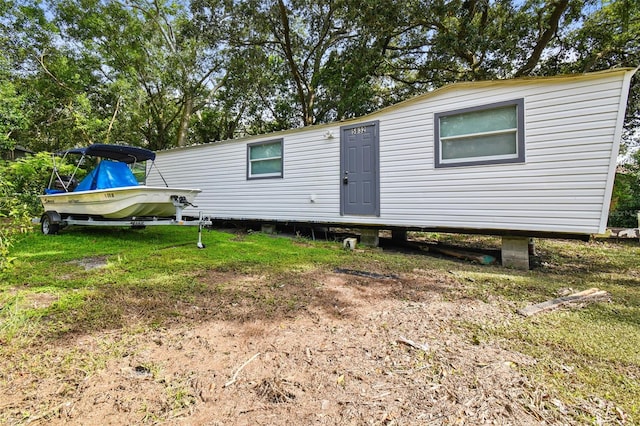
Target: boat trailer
x=51, y=222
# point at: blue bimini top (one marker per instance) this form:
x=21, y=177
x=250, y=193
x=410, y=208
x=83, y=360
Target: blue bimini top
x=108, y=174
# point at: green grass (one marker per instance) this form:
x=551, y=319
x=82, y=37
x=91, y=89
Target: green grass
x=582, y=354
x=153, y=276
x=146, y=270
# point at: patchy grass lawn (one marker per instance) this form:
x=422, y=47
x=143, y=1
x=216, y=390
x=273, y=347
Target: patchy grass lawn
x=76, y=305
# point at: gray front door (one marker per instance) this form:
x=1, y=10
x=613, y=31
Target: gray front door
x=359, y=162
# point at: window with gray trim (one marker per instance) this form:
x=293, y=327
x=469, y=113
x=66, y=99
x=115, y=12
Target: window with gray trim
x=264, y=160
x=487, y=134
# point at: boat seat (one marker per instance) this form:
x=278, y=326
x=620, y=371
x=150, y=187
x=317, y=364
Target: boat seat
x=62, y=181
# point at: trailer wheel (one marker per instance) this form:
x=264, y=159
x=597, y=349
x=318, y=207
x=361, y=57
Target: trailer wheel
x=47, y=226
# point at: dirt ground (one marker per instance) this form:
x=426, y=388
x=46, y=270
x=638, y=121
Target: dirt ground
x=351, y=350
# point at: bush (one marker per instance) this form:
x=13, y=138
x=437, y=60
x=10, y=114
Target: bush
x=14, y=220
x=28, y=177
x=623, y=218
x=20, y=184
x=625, y=201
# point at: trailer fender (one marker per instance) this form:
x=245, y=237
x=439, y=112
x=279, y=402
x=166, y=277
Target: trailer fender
x=50, y=222
x=54, y=216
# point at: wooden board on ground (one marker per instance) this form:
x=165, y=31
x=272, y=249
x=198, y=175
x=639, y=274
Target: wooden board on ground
x=590, y=295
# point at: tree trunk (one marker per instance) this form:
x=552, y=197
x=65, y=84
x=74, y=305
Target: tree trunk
x=183, y=129
x=306, y=98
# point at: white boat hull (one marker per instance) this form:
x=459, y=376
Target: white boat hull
x=118, y=203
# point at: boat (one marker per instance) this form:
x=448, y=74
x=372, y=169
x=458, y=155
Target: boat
x=111, y=190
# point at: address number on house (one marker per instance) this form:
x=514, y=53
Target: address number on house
x=358, y=130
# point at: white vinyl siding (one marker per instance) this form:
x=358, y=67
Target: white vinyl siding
x=572, y=127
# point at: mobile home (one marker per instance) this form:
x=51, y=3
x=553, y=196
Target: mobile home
x=519, y=158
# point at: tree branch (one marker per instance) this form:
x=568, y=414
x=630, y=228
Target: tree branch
x=113, y=119
x=50, y=74
x=297, y=76
x=552, y=26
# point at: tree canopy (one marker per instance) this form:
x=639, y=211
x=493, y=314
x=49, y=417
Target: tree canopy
x=164, y=73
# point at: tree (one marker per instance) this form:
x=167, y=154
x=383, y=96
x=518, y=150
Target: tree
x=430, y=43
x=303, y=59
x=337, y=59
x=160, y=73
x=608, y=38
x=47, y=79
x=153, y=44
x=13, y=116
x=61, y=94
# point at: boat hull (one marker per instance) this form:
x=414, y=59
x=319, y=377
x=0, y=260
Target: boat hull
x=118, y=203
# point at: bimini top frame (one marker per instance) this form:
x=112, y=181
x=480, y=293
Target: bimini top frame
x=123, y=153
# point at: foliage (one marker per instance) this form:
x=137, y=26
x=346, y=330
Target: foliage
x=625, y=201
x=608, y=37
x=28, y=176
x=21, y=182
x=14, y=220
x=164, y=73
x=12, y=109
x=151, y=59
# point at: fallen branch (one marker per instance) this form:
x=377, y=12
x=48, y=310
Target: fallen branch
x=591, y=295
x=235, y=375
x=413, y=344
